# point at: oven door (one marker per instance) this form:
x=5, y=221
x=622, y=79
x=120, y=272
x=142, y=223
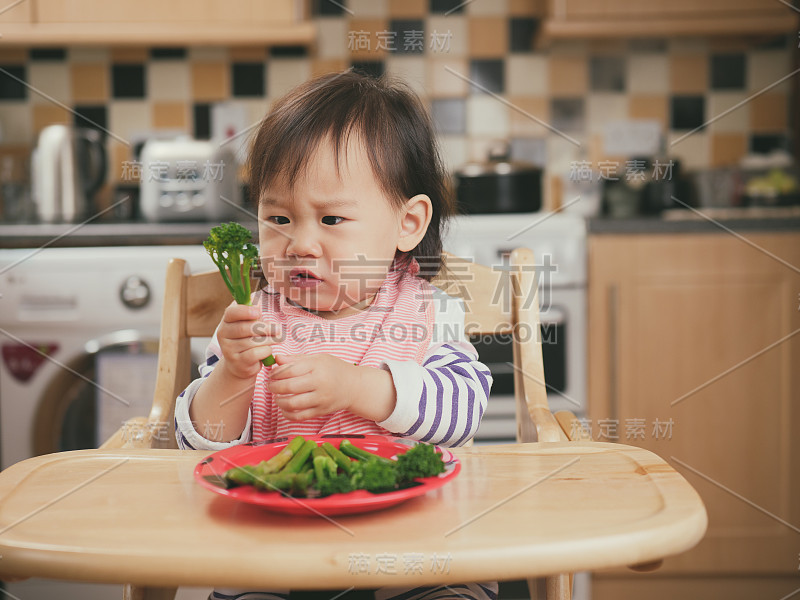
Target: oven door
x=563, y=329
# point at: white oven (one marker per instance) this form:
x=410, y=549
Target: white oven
x=559, y=245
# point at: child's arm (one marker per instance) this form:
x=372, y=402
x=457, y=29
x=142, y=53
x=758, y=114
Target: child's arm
x=443, y=400
x=193, y=435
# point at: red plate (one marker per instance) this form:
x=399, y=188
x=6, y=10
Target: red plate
x=209, y=471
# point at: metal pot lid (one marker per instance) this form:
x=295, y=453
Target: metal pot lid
x=503, y=167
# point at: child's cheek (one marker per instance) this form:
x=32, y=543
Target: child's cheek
x=268, y=266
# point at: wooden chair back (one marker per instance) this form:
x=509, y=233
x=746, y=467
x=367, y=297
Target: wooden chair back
x=497, y=301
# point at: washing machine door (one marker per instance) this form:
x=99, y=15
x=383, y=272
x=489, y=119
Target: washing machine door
x=85, y=403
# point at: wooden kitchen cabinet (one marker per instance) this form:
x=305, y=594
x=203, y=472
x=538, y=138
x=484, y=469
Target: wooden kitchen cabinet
x=155, y=22
x=621, y=18
x=175, y=11
x=694, y=354
x=16, y=13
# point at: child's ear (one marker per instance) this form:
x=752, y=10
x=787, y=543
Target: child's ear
x=414, y=222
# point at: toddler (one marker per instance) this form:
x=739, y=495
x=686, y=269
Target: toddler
x=352, y=199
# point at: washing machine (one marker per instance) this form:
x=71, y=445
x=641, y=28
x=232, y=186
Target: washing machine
x=79, y=334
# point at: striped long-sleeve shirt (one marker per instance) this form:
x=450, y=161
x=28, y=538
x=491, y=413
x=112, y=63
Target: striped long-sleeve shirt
x=440, y=401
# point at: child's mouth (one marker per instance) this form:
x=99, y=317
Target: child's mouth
x=303, y=278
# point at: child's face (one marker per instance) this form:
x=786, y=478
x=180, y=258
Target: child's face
x=327, y=245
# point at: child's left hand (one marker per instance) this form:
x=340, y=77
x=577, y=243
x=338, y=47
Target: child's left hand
x=311, y=385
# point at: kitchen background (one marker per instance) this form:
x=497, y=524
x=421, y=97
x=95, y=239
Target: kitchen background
x=646, y=312
x=575, y=87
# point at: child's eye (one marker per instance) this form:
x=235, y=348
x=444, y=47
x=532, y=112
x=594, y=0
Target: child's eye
x=278, y=220
x=331, y=220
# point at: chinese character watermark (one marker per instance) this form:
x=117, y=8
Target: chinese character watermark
x=413, y=563
x=358, y=40
x=581, y=170
x=663, y=429
x=609, y=429
x=609, y=170
x=131, y=170
x=186, y=170
x=358, y=563
x=541, y=281
x=662, y=170
x=635, y=170
x=212, y=431
x=581, y=429
x=387, y=563
x=183, y=171
x=386, y=41
x=635, y=429
x=440, y=564
x=135, y=431
x=440, y=41
x=410, y=41
x=413, y=41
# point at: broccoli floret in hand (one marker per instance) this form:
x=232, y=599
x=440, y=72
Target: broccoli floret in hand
x=420, y=461
x=230, y=247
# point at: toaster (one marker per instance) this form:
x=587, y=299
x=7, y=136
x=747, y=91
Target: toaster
x=184, y=179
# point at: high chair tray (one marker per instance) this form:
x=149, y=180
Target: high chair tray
x=514, y=511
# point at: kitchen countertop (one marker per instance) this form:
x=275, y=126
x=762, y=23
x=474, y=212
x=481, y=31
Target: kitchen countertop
x=67, y=235
x=706, y=220
x=64, y=235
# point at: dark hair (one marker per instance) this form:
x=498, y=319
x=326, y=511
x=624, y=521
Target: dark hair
x=395, y=128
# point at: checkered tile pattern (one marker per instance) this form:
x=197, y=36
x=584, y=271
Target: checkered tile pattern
x=477, y=64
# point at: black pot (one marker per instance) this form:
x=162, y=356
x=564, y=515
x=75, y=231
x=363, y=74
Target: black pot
x=663, y=189
x=499, y=186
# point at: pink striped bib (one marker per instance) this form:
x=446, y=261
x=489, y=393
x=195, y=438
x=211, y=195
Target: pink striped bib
x=398, y=325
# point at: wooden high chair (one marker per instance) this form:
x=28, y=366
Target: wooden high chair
x=496, y=302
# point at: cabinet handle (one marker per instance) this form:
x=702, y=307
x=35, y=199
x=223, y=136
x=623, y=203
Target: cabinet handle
x=613, y=385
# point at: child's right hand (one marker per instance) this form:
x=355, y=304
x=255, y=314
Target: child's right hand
x=244, y=340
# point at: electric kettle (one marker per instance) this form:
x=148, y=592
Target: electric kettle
x=68, y=166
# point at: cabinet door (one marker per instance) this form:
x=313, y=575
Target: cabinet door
x=16, y=12
x=248, y=12
x=157, y=23
x=686, y=9
x=695, y=355
x=614, y=19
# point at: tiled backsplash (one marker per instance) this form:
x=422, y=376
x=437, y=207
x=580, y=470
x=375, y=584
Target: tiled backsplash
x=476, y=66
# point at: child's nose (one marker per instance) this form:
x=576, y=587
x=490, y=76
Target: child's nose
x=303, y=243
